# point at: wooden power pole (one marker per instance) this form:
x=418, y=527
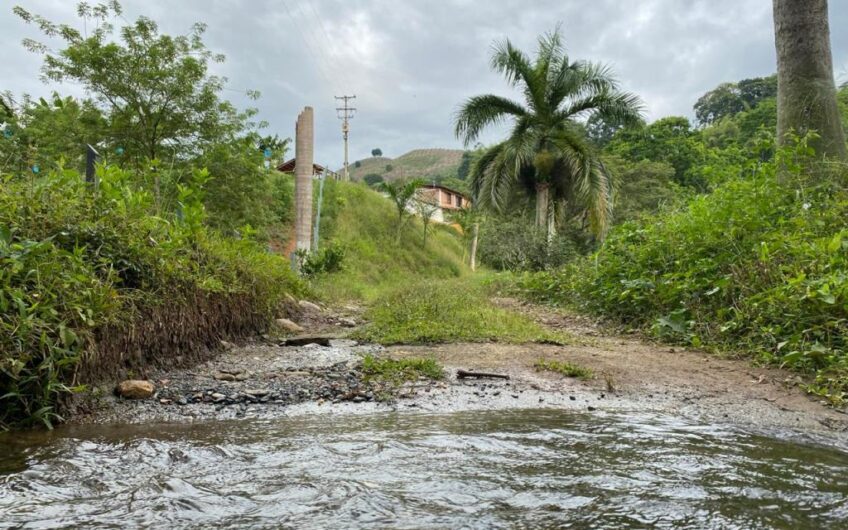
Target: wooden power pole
x=303, y=170
x=345, y=113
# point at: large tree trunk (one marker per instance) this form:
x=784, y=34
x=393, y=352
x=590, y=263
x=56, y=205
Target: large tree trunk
x=806, y=94
x=303, y=170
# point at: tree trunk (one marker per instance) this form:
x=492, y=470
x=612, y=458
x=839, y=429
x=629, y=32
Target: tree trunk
x=551, y=231
x=806, y=94
x=542, y=201
x=474, y=247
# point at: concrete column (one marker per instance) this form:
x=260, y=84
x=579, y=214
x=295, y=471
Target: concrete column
x=304, y=140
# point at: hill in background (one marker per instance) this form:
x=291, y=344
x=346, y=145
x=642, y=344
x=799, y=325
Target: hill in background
x=430, y=164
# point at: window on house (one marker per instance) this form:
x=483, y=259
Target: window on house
x=459, y=201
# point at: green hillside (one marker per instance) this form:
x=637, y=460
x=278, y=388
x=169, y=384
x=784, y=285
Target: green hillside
x=363, y=223
x=418, y=163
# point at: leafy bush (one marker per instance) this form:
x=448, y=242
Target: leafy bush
x=760, y=264
x=92, y=284
x=372, y=179
x=326, y=260
x=511, y=242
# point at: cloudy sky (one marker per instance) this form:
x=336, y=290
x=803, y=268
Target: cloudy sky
x=410, y=63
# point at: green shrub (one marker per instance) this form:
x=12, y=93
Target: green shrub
x=326, y=260
x=92, y=284
x=511, y=242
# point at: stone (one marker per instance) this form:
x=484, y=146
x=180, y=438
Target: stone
x=309, y=306
x=217, y=397
x=257, y=392
x=288, y=325
x=135, y=389
x=347, y=322
x=222, y=376
x=307, y=340
x=227, y=345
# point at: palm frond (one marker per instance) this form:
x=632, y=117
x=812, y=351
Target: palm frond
x=585, y=177
x=519, y=69
x=579, y=80
x=612, y=106
x=479, y=112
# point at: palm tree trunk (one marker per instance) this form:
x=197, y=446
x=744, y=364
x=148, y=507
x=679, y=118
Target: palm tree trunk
x=542, y=201
x=474, y=247
x=551, y=232
x=806, y=94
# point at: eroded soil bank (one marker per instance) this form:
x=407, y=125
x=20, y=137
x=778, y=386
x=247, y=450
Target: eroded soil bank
x=268, y=378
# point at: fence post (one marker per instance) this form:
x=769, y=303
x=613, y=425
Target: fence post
x=91, y=156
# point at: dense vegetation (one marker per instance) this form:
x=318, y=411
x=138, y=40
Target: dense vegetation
x=759, y=265
x=166, y=253
x=92, y=283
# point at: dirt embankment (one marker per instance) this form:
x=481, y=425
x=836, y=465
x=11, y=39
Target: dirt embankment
x=268, y=378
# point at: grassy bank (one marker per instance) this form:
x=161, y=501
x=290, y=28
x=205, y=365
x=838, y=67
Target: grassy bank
x=759, y=266
x=438, y=311
x=95, y=284
x=363, y=224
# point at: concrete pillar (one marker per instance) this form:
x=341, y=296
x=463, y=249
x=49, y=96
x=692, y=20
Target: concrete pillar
x=304, y=141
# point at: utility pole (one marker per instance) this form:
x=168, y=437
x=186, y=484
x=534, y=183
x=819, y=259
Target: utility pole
x=345, y=114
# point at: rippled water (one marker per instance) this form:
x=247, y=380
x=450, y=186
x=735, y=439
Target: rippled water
x=520, y=469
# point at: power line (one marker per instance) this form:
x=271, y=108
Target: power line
x=309, y=49
x=342, y=71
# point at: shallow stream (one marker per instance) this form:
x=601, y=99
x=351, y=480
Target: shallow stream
x=504, y=469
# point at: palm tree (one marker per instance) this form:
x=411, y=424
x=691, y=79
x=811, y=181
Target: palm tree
x=401, y=195
x=547, y=152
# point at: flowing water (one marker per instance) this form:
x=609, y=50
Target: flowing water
x=519, y=469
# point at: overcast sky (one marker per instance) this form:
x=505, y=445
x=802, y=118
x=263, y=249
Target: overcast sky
x=411, y=63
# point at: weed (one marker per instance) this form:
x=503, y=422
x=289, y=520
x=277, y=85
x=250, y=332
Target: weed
x=565, y=368
x=392, y=373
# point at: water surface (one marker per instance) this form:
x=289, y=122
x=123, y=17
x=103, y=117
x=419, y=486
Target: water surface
x=517, y=469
